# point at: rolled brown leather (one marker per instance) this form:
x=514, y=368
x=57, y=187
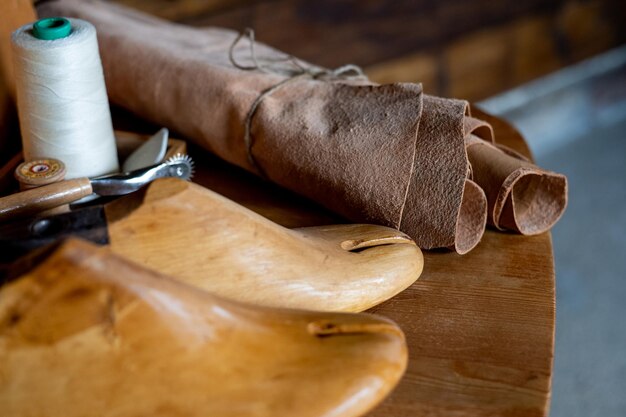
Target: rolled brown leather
x=521, y=196
x=385, y=154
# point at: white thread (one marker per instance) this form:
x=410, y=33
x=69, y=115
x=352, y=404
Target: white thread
x=62, y=101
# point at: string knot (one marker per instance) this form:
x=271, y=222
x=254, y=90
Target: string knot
x=289, y=67
x=295, y=67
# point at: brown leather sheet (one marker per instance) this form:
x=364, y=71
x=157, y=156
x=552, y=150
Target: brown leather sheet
x=385, y=154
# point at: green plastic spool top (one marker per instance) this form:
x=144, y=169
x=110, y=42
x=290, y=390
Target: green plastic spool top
x=52, y=28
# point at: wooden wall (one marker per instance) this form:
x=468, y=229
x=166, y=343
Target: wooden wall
x=469, y=49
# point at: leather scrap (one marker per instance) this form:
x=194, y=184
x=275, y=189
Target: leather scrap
x=521, y=196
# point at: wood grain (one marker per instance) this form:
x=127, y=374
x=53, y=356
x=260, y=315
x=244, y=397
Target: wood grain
x=88, y=333
x=480, y=327
x=489, y=60
x=480, y=332
x=37, y=200
x=203, y=239
x=15, y=13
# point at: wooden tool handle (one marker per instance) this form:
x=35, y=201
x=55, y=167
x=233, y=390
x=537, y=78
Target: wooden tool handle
x=43, y=198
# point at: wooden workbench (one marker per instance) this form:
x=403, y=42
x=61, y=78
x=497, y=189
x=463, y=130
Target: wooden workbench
x=480, y=327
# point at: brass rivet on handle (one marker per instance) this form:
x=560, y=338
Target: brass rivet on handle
x=39, y=172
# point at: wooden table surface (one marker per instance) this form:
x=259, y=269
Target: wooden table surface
x=480, y=327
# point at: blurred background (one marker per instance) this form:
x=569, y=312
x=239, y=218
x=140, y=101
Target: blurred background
x=575, y=122
x=557, y=71
x=456, y=48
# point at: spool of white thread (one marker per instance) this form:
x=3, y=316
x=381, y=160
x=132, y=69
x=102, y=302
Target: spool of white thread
x=62, y=101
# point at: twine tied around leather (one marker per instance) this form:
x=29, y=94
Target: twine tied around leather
x=298, y=71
